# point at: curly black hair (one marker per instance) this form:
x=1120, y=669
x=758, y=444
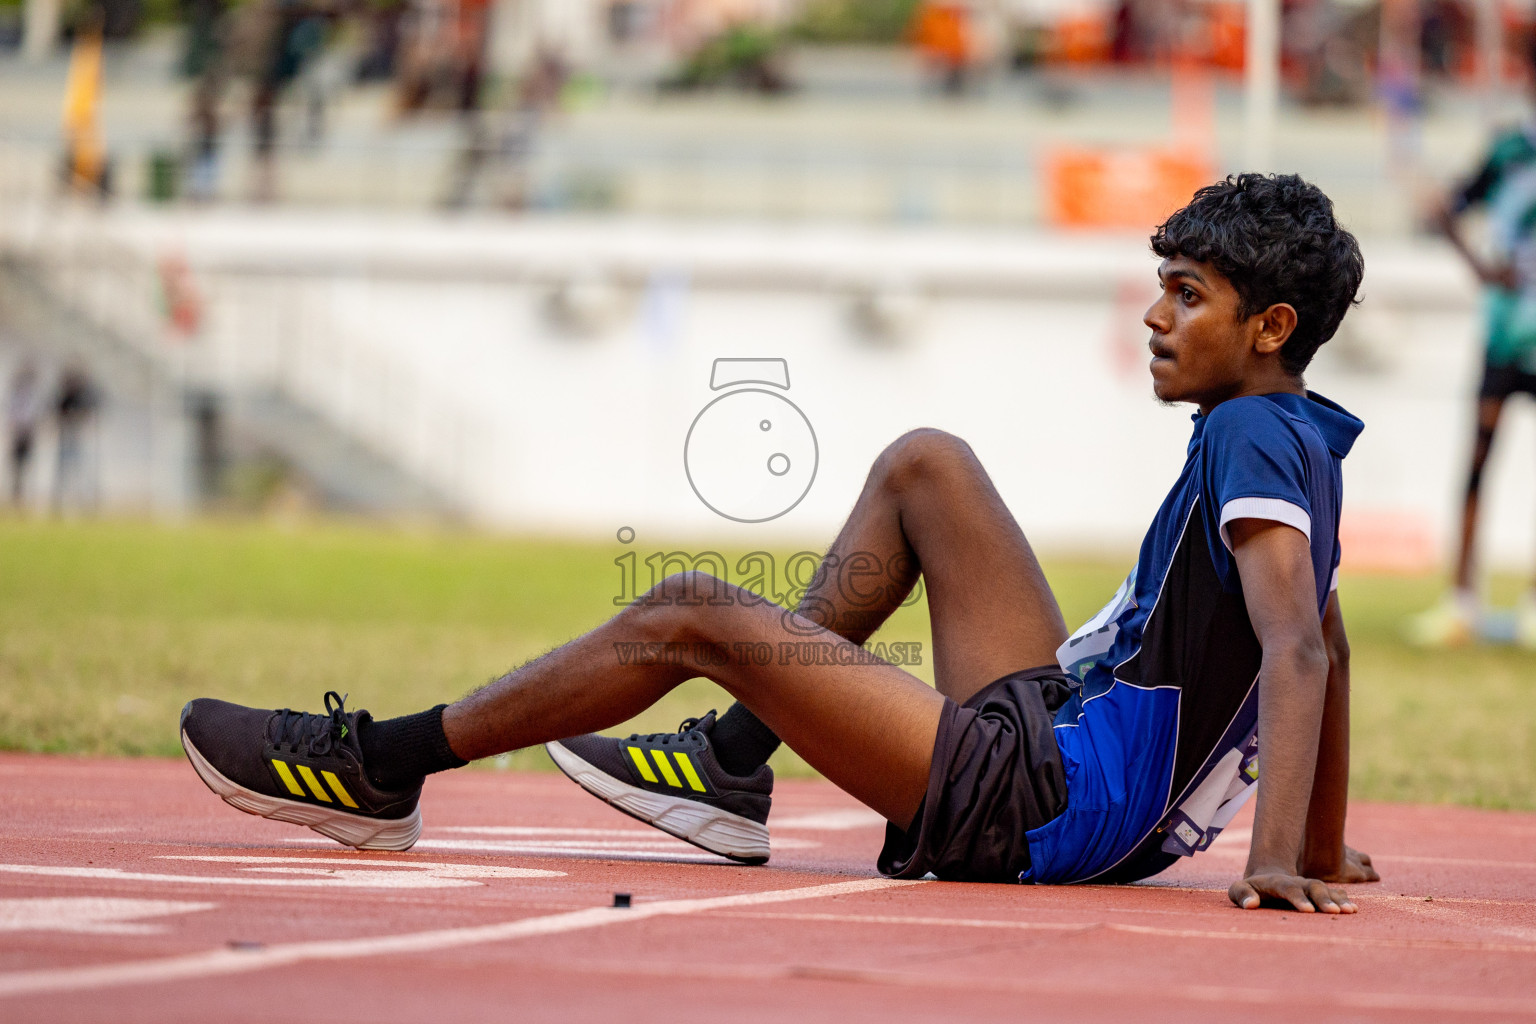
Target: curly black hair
x=1274, y=236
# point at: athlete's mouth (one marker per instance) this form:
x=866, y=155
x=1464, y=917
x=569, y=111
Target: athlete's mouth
x=1158, y=351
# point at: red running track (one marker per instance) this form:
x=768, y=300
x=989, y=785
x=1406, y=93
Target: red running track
x=130, y=893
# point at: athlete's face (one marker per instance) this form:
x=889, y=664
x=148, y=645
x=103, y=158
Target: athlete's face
x=1202, y=351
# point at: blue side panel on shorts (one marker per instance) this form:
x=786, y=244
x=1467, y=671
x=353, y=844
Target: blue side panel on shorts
x=1127, y=744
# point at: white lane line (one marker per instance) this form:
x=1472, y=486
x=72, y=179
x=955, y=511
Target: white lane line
x=612, y=839
x=379, y=874
x=228, y=961
x=663, y=851
x=834, y=821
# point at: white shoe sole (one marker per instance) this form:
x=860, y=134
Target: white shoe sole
x=708, y=828
x=351, y=829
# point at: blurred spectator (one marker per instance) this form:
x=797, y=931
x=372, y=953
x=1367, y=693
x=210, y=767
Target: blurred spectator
x=1329, y=46
x=1134, y=31
x=74, y=412
x=23, y=410
x=1446, y=37
x=294, y=33
x=385, y=21
x=538, y=93
x=443, y=58
x=206, y=62
x=86, y=169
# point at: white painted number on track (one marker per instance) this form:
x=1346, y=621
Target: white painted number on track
x=91, y=914
x=308, y=872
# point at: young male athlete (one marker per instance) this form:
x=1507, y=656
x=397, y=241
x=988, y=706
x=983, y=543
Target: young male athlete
x=1039, y=757
x=1506, y=185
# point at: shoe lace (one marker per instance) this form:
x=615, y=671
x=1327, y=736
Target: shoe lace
x=317, y=733
x=689, y=724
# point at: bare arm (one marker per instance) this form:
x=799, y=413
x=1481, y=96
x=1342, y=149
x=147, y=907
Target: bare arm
x=1275, y=564
x=1446, y=221
x=1324, y=854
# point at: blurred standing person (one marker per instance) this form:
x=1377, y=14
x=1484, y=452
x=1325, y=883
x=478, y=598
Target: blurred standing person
x=385, y=21
x=206, y=63
x=1506, y=186
x=22, y=413
x=295, y=33
x=74, y=412
x=85, y=158
x=538, y=93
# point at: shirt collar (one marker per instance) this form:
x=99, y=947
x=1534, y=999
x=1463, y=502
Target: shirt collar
x=1337, y=425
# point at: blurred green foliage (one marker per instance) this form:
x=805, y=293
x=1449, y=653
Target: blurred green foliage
x=106, y=629
x=854, y=21
x=743, y=55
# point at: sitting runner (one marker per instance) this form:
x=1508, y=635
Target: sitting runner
x=1039, y=757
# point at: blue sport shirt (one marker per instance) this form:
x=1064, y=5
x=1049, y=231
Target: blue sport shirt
x=1159, y=737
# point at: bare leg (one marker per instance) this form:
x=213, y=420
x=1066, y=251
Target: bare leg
x=869, y=728
x=1488, y=412
x=929, y=508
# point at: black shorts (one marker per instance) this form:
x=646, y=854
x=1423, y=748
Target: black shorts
x=1503, y=381
x=996, y=774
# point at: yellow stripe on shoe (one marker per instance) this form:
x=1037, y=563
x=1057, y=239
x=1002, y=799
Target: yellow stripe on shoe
x=686, y=764
x=287, y=777
x=337, y=788
x=666, y=768
x=641, y=765
x=314, y=785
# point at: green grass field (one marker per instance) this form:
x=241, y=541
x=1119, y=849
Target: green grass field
x=106, y=629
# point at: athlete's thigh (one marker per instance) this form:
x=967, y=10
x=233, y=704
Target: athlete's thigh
x=865, y=724
x=991, y=608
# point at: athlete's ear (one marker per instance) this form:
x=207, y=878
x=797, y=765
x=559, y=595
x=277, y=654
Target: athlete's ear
x=1275, y=325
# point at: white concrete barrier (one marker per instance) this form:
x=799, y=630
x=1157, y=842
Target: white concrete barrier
x=546, y=372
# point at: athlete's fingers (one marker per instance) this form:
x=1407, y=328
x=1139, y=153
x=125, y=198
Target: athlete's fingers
x=1297, y=895
x=1244, y=895
x=1322, y=897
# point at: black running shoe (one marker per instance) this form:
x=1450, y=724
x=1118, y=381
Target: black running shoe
x=298, y=767
x=671, y=780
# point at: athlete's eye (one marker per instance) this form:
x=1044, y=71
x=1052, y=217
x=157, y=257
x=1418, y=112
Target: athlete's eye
x=1187, y=295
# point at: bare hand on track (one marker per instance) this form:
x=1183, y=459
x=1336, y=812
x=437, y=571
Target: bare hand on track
x=1308, y=895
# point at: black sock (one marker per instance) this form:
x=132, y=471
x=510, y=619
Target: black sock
x=399, y=752
x=742, y=743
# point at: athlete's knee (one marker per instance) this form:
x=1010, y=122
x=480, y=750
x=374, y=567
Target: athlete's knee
x=924, y=457
x=685, y=603
x=690, y=589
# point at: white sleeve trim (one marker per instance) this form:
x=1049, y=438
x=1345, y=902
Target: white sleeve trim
x=1274, y=509
x=1334, y=585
